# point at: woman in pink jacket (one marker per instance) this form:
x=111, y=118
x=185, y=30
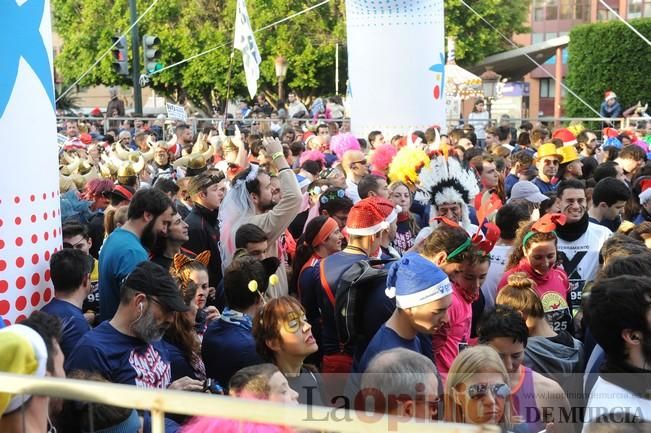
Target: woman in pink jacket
x=534, y=253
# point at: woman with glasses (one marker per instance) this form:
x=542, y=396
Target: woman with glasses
x=283, y=336
x=477, y=390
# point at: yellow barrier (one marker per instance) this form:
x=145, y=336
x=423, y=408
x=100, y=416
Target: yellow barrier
x=196, y=404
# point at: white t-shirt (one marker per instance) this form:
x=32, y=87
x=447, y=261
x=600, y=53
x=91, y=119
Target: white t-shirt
x=499, y=257
x=581, y=259
x=351, y=191
x=607, y=397
x=479, y=120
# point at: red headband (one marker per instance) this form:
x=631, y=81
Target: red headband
x=326, y=230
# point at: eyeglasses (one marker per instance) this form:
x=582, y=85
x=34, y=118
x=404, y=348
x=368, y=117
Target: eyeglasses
x=480, y=390
x=295, y=322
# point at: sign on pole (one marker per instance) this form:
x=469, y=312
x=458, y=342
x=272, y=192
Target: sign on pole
x=176, y=112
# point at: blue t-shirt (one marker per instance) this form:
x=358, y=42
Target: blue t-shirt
x=226, y=348
x=73, y=323
x=543, y=186
x=385, y=339
x=120, y=254
x=509, y=182
x=121, y=358
x=2, y=322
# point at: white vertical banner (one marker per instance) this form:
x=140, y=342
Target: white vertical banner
x=396, y=62
x=245, y=42
x=30, y=222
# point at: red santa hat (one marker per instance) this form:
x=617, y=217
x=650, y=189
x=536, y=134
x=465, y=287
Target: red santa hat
x=366, y=218
x=609, y=95
x=387, y=208
x=565, y=136
x=645, y=194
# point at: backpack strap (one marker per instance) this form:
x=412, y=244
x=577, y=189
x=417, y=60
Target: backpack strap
x=325, y=284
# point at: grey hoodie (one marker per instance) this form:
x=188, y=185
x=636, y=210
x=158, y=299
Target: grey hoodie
x=561, y=359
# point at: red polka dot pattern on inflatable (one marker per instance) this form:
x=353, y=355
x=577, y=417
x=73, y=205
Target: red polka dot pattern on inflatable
x=30, y=232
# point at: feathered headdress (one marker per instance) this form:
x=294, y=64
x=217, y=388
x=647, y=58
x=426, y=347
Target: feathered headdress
x=446, y=181
x=406, y=165
x=381, y=157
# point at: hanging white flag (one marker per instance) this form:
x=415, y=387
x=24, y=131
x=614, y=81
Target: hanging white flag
x=245, y=42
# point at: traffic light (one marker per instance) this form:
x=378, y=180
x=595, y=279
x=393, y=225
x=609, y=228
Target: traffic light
x=151, y=53
x=120, y=55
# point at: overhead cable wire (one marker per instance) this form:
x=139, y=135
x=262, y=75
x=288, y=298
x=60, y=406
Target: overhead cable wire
x=549, y=74
x=208, y=51
x=107, y=51
x=619, y=17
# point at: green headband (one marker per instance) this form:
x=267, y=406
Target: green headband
x=461, y=248
x=530, y=234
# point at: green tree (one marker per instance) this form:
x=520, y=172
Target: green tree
x=474, y=38
x=611, y=67
x=188, y=27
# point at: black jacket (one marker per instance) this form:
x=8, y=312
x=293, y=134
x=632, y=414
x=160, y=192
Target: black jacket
x=204, y=235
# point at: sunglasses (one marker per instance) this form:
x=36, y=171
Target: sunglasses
x=363, y=162
x=481, y=390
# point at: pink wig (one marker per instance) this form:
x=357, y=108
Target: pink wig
x=341, y=143
x=313, y=155
x=97, y=186
x=221, y=425
x=381, y=157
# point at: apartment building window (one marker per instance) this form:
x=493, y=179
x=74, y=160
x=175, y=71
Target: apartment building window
x=639, y=8
x=546, y=88
x=582, y=10
x=603, y=14
x=551, y=10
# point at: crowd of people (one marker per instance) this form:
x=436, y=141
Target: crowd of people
x=492, y=275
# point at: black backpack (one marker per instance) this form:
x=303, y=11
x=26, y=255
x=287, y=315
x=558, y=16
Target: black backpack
x=350, y=298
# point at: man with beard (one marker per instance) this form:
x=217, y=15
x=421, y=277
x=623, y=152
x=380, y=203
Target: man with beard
x=587, y=143
x=149, y=216
x=579, y=240
x=250, y=200
x=169, y=245
x=184, y=138
x=618, y=313
x=127, y=349
x=207, y=191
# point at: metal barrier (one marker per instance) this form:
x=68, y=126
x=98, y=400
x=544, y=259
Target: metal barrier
x=158, y=402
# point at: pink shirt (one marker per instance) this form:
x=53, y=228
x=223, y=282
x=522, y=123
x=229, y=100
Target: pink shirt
x=456, y=332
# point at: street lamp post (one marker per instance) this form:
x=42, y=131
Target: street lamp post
x=281, y=73
x=489, y=80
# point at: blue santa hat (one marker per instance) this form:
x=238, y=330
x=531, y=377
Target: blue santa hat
x=414, y=281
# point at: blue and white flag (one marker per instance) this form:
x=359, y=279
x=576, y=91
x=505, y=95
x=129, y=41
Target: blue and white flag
x=245, y=42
